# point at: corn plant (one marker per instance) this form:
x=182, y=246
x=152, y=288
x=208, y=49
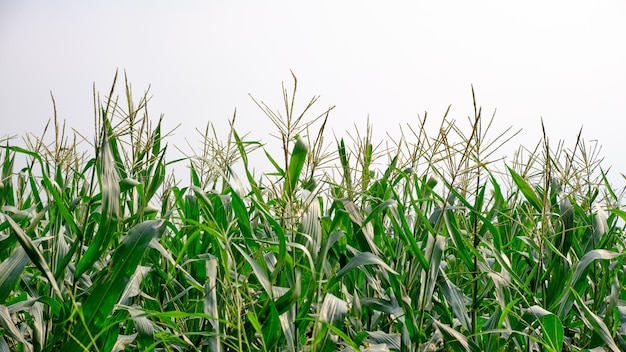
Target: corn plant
x=421, y=243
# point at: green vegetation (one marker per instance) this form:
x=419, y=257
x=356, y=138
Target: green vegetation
x=422, y=245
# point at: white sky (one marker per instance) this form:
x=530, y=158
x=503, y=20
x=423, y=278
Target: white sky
x=564, y=61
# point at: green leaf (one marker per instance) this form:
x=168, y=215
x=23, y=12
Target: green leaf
x=110, y=208
x=10, y=271
x=35, y=255
x=565, y=237
x=457, y=300
x=108, y=289
x=429, y=277
x=526, y=190
x=552, y=332
x=279, y=171
x=594, y=322
x=382, y=305
x=365, y=235
x=364, y=258
x=258, y=271
x=345, y=165
x=331, y=314
x=255, y=322
x=459, y=238
x=288, y=297
x=590, y=257
x=241, y=214
x=241, y=147
x=156, y=140
x=9, y=327
x=210, y=306
x=296, y=163
x=280, y=235
x=57, y=198
x=566, y=299
x=157, y=178
x=128, y=183
x=6, y=186
x=458, y=341
x=402, y=228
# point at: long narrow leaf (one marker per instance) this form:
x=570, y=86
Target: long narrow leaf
x=210, y=303
x=296, y=162
x=552, y=332
x=35, y=255
x=594, y=322
x=455, y=338
x=110, y=208
x=106, y=292
x=10, y=328
x=365, y=258
x=10, y=270
x=526, y=190
x=589, y=258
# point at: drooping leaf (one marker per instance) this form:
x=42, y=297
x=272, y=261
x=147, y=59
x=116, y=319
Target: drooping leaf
x=143, y=325
x=455, y=338
x=286, y=308
x=39, y=326
x=123, y=341
x=589, y=258
x=364, y=258
x=35, y=255
x=382, y=305
x=594, y=322
x=258, y=271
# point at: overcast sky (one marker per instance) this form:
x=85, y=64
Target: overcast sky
x=563, y=61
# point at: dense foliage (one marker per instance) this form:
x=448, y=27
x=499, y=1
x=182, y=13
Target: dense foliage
x=422, y=245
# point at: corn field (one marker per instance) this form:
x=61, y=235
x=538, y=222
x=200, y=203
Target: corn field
x=423, y=243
